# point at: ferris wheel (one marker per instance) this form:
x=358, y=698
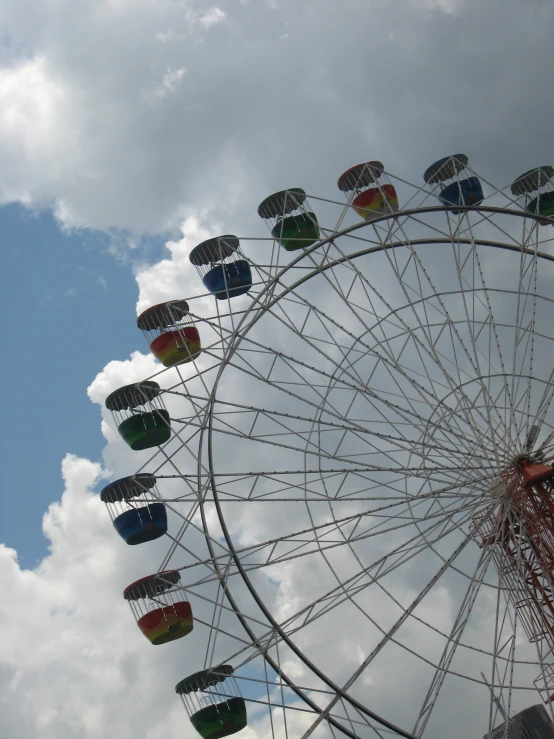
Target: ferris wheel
x=350, y=448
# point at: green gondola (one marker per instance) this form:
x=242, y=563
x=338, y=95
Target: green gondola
x=296, y=232
x=225, y=713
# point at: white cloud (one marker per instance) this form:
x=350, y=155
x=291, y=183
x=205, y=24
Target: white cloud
x=32, y=105
x=172, y=78
x=81, y=131
x=72, y=660
x=213, y=16
x=168, y=86
x=69, y=649
x=173, y=278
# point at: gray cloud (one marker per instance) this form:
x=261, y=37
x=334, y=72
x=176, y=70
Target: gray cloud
x=150, y=114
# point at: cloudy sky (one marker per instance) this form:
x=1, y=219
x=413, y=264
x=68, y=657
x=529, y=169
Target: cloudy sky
x=129, y=132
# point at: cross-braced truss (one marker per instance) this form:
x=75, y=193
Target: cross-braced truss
x=334, y=474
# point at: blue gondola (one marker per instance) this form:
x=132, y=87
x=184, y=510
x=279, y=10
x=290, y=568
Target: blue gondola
x=222, y=267
x=140, y=523
x=465, y=192
x=449, y=184
x=230, y=279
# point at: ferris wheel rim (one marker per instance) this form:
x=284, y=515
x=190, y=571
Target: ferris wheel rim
x=394, y=245
x=407, y=212
x=256, y=311
x=243, y=329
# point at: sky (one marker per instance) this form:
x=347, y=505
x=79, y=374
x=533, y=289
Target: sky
x=131, y=131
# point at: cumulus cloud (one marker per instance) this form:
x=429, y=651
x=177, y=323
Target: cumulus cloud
x=174, y=277
x=71, y=659
x=32, y=109
x=238, y=113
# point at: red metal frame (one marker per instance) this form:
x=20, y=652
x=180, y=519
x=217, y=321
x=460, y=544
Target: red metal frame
x=521, y=532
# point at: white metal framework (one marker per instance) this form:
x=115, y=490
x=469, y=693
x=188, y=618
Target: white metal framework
x=336, y=448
